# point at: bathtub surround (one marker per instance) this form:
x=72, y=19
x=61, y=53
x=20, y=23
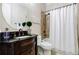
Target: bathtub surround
x=43, y=25
x=63, y=30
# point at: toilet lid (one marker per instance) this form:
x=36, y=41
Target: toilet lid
x=46, y=45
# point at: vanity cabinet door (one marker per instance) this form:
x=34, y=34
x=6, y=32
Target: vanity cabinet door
x=17, y=48
x=25, y=47
x=7, y=49
x=30, y=51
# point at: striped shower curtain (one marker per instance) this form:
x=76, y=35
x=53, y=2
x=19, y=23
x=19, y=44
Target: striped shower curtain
x=63, y=29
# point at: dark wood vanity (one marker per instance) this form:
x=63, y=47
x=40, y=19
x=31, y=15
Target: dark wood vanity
x=27, y=46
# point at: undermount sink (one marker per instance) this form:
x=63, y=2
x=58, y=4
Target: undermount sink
x=23, y=37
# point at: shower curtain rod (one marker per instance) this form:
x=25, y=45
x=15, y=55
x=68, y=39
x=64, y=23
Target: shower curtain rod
x=59, y=7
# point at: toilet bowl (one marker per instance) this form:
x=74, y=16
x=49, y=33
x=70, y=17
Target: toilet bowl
x=45, y=45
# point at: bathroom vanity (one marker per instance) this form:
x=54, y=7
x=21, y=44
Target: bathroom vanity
x=19, y=45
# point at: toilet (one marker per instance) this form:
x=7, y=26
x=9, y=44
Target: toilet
x=44, y=46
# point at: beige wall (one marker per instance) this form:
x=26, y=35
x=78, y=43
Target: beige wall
x=36, y=11
x=78, y=22
x=54, y=5
x=78, y=18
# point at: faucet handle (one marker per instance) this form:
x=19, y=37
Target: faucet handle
x=20, y=29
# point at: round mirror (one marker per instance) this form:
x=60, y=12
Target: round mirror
x=15, y=14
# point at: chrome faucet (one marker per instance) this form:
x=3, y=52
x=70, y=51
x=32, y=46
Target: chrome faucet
x=20, y=30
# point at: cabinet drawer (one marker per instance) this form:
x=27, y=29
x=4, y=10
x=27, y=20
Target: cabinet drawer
x=23, y=43
x=26, y=42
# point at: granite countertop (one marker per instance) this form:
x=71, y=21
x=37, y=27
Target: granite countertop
x=15, y=40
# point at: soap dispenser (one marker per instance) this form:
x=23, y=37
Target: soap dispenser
x=6, y=35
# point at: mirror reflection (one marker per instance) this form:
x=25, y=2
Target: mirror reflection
x=15, y=14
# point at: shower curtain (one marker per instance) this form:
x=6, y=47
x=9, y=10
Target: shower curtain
x=63, y=29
